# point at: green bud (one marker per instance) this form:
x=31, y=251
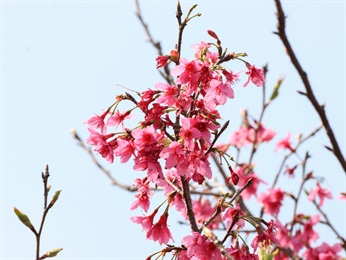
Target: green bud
x=276, y=89
x=24, y=218
x=54, y=199
x=51, y=253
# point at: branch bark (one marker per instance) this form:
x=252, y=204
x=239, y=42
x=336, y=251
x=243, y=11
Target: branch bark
x=304, y=77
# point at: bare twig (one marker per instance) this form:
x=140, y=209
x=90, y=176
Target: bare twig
x=98, y=164
x=304, y=77
x=328, y=223
x=156, y=44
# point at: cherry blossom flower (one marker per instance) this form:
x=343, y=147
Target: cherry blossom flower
x=321, y=193
x=142, y=201
x=102, y=146
x=159, y=232
x=145, y=221
x=256, y=75
x=124, y=150
x=189, y=132
x=118, y=118
x=285, y=144
x=323, y=252
x=199, y=247
x=272, y=200
x=97, y=122
x=173, y=154
x=145, y=137
x=169, y=95
x=308, y=235
x=161, y=61
x=244, y=175
x=267, y=237
x=233, y=215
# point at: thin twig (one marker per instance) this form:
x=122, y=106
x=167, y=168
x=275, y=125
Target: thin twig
x=98, y=164
x=156, y=44
x=328, y=223
x=304, y=77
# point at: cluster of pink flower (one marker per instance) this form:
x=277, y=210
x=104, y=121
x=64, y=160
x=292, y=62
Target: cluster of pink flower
x=174, y=143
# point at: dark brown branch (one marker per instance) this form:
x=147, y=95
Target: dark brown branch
x=304, y=77
x=188, y=204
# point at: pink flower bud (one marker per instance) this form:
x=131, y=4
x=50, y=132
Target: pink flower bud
x=212, y=34
x=174, y=55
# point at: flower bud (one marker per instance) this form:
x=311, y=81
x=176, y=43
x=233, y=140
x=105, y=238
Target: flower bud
x=174, y=56
x=212, y=34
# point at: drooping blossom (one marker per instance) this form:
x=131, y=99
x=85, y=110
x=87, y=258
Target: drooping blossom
x=200, y=247
x=285, y=144
x=308, y=234
x=143, y=195
x=256, y=75
x=102, y=145
x=189, y=133
x=290, y=170
x=244, y=173
x=145, y=221
x=145, y=137
x=161, y=61
x=323, y=252
x=321, y=193
x=98, y=122
x=267, y=237
x=233, y=216
x=169, y=95
x=173, y=154
x=203, y=211
x=272, y=200
x=118, y=118
x=159, y=232
x=124, y=150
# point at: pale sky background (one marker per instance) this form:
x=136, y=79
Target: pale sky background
x=60, y=63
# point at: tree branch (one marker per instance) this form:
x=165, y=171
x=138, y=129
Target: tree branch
x=304, y=77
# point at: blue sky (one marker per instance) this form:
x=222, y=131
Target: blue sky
x=61, y=62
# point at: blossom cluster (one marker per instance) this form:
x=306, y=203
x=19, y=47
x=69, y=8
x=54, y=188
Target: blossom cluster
x=174, y=144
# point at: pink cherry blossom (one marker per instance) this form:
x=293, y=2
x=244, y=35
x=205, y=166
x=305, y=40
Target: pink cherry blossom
x=124, y=150
x=272, y=200
x=189, y=133
x=233, y=216
x=256, y=75
x=161, y=61
x=323, y=252
x=267, y=237
x=102, y=145
x=169, y=95
x=218, y=93
x=173, y=154
x=145, y=137
x=285, y=144
x=244, y=175
x=187, y=72
x=199, y=247
x=159, y=232
x=321, y=193
x=308, y=234
x=97, y=122
x=145, y=221
x=118, y=118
